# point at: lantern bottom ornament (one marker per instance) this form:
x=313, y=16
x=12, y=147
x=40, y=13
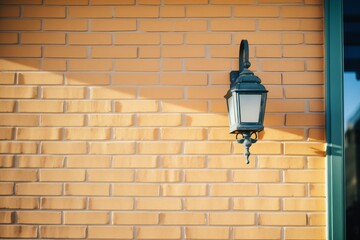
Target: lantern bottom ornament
x=247, y=141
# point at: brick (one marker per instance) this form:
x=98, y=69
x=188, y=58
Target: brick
x=7, y=231
x=62, y=120
x=228, y=25
x=281, y=106
x=187, y=2
x=20, y=24
x=206, y=176
x=257, y=233
x=292, y=38
x=86, y=217
x=274, y=120
x=64, y=92
x=189, y=190
x=160, y=93
x=302, y=11
x=208, y=65
x=235, y=219
x=89, y=65
x=87, y=134
x=283, y=190
x=307, y=233
x=112, y=93
x=208, y=38
x=7, y=78
x=89, y=38
x=207, y=233
x=19, y=203
x=314, y=64
x=87, y=189
x=43, y=12
x=108, y=232
x=136, y=218
x=135, y=79
x=41, y=78
x=317, y=219
x=172, y=11
x=282, y=134
x=136, y=190
x=260, y=176
x=259, y=204
x=41, y=106
x=270, y=219
x=49, y=64
x=172, y=65
x=158, y=233
x=206, y=120
x=210, y=93
x=258, y=37
x=313, y=204
x=135, y=134
x=305, y=120
x=6, y=133
x=134, y=162
x=132, y=65
x=283, y=66
x=63, y=203
x=316, y=105
x=172, y=25
x=149, y=2
x=62, y=232
x=314, y=38
x=149, y=52
x=317, y=190
x=159, y=204
x=18, y=92
x=232, y=1
x=9, y=38
x=19, y=64
x=110, y=175
x=163, y=120
x=317, y=149
x=19, y=175
x=136, y=12
x=224, y=52
x=62, y=175
x=90, y=12
x=65, y=25
x=172, y=38
x=183, y=161
x=100, y=203
x=136, y=106
x=10, y=11
x=269, y=52
x=6, y=217
x=111, y=120
x=316, y=162
x=18, y=147
x=7, y=106
x=305, y=92
x=113, y=2
x=38, y=134
x=208, y=11
x=88, y=106
x=64, y=52
x=41, y=189
x=302, y=176
x=182, y=134
x=137, y=38
x=113, y=25
x=113, y=52
x=20, y=51
x=207, y=147
x=228, y=162
x=158, y=176
x=207, y=204
x=112, y=148
x=256, y=11
x=42, y=217
x=286, y=162
x=87, y=161
x=7, y=161
x=63, y=148
x=40, y=161
x=187, y=79
x=182, y=218
x=303, y=51
x=43, y=38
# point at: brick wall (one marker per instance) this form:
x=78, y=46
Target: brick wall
x=113, y=122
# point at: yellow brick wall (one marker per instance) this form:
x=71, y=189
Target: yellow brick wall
x=113, y=122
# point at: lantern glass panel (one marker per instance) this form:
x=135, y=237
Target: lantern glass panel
x=231, y=110
x=250, y=107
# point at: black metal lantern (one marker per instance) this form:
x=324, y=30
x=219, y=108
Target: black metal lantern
x=246, y=101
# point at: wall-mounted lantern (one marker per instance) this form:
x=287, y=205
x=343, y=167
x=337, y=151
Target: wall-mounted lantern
x=246, y=101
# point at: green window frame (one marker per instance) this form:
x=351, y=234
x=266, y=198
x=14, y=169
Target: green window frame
x=334, y=119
